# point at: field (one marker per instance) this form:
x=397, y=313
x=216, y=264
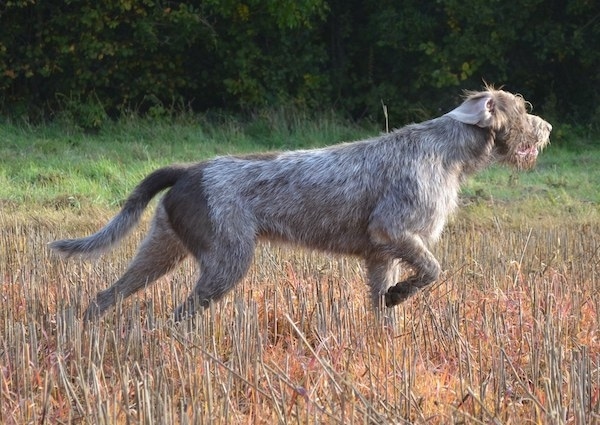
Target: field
x=509, y=335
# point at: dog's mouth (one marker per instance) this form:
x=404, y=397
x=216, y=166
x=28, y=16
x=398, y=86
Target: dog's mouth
x=525, y=157
x=528, y=153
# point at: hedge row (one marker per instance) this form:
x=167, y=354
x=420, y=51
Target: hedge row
x=414, y=56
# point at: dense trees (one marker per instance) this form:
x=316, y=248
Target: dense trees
x=350, y=55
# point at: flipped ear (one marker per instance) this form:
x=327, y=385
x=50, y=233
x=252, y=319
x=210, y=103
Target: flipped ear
x=475, y=111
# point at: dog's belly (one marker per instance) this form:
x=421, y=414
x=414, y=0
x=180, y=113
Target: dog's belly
x=339, y=238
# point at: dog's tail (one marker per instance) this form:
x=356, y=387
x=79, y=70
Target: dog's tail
x=117, y=228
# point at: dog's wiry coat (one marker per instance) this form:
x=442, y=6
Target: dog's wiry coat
x=383, y=199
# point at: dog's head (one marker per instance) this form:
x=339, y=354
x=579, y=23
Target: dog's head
x=518, y=136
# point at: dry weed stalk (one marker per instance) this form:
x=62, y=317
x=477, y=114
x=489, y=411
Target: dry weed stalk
x=510, y=336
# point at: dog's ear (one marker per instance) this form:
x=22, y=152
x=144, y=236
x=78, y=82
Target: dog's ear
x=476, y=110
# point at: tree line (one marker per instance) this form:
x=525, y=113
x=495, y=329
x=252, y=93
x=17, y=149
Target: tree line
x=352, y=56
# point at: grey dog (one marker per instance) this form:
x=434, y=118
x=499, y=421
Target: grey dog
x=384, y=199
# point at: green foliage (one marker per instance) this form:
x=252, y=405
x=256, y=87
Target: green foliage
x=87, y=114
x=417, y=55
x=353, y=55
x=268, y=52
x=118, y=51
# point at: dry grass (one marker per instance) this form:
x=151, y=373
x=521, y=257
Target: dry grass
x=510, y=335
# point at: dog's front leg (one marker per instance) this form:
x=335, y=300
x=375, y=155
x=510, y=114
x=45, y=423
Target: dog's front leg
x=411, y=249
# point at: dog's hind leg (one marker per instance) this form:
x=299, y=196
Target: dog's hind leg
x=158, y=254
x=221, y=268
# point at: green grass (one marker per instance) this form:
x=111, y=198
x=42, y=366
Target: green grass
x=560, y=175
x=60, y=167
x=55, y=166
x=563, y=186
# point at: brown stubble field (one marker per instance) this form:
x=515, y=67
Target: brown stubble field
x=509, y=336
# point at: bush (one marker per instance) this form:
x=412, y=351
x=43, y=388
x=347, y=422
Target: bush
x=353, y=55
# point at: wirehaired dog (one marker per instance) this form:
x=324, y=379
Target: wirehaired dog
x=383, y=199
